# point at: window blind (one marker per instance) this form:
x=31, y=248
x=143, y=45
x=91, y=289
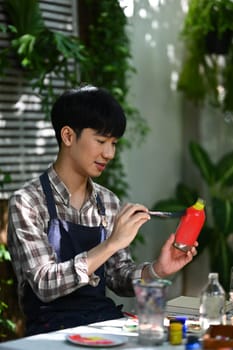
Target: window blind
x=27, y=142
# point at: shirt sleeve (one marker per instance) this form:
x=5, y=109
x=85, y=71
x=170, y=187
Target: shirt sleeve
x=121, y=270
x=34, y=259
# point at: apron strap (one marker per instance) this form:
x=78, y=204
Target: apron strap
x=100, y=206
x=103, y=224
x=44, y=180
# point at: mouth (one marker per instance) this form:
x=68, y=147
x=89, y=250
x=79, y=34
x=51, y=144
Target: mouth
x=100, y=166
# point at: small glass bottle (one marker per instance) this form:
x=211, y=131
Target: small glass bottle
x=175, y=332
x=212, y=303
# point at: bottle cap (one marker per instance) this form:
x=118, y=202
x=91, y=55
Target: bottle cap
x=213, y=275
x=181, y=319
x=193, y=343
x=200, y=204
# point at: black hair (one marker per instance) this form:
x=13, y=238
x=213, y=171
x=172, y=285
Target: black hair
x=88, y=107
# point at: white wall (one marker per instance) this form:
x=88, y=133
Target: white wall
x=154, y=167
x=157, y=161
x=216, y=132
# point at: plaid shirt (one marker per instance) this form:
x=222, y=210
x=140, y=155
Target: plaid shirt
x=33, y=258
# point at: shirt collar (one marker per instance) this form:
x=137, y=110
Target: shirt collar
x=63, y=192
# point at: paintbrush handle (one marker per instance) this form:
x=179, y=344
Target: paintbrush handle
x=167, y=214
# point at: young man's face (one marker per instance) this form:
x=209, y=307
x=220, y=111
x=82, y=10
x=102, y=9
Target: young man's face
x=91, y=152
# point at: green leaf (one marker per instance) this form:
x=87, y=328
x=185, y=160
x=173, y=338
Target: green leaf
x=223, y=215
x=3, y=306
x=3, y=28
x=186, y=195
x=25, y=15
x=225, y=170
x=69, y=46
x=13, y=29
x=171, y=204
x=10, y=325
x=203, y=162
x=4, y=254
x=191, y=73
x=221, y=259
x=205, y=237
x=24, y=44
x=7, y=178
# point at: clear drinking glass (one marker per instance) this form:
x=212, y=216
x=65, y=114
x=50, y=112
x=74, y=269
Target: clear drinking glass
x=151, y=304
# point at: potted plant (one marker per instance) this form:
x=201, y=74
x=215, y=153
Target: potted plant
x=30, y=39
x=217, y=234
x=207, y=68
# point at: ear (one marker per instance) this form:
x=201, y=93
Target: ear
x=67, y=135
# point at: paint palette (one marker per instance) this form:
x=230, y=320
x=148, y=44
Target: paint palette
x=96, y=339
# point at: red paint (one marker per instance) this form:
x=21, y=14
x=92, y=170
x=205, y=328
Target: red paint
x=190, y=226
x=91, y=340
x=128, y=314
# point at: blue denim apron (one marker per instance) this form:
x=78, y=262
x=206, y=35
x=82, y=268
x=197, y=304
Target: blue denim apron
x=85, y=305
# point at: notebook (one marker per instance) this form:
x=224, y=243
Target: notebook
x=185, y=305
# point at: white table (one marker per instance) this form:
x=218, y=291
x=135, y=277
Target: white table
x=57, y=340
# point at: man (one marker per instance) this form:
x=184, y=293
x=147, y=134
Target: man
x=68, y=236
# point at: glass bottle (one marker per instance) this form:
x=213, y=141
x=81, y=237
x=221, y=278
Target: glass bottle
x=190, y=226
x=212, y=303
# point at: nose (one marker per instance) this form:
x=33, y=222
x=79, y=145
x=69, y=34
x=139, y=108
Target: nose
x=108, y=151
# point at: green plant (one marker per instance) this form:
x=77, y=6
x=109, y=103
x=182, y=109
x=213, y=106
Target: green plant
x=101, y=57
x=4, y=178
x=108, y=46
x=217, y=233
x=42, y=54
x=6, y=325
x=107, y=43
x=205, y=75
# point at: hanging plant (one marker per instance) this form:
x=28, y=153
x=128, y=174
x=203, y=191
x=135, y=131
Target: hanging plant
x=207, y=69
x=100, y=56
x=103, y=31
x=42, y=54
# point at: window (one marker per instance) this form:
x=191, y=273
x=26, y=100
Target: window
x=27, y=144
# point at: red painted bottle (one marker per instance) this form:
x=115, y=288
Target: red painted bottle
x=190, y=226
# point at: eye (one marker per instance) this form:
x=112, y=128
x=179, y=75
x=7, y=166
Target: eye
x=101, y=141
